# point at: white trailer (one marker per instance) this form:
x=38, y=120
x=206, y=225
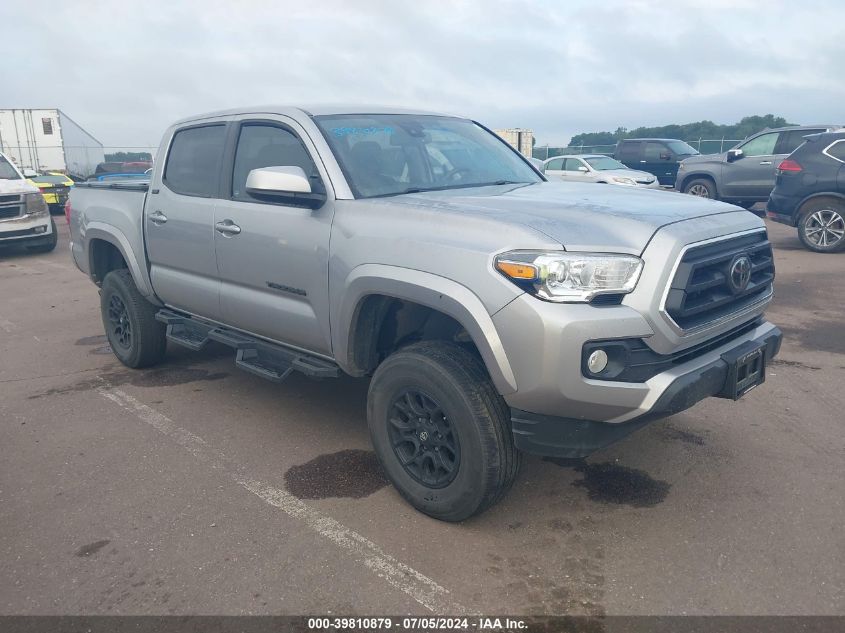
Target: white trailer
x=48, y=140
x=520, y=139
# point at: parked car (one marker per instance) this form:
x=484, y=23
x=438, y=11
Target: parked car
x=745, y=174
x=809, y=192
x=54, y=187
x=496, y=312
x=24, y=215
x=598, y=168
x=658, y=156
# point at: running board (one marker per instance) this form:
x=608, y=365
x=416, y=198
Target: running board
x=270, y=361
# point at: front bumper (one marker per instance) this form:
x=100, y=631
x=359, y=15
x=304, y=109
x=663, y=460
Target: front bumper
x=575, y=438
x=25, y=228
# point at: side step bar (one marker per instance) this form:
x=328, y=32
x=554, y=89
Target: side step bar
x=258, y=357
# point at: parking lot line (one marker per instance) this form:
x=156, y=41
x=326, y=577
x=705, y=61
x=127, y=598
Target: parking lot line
x=424, y=590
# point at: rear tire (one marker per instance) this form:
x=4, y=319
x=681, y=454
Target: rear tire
x=136, y=338
x=432, y=406
x=821, y=225
x=701, y=188
x=50, y=244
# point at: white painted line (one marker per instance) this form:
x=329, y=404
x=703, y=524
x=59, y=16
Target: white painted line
x=396, y=573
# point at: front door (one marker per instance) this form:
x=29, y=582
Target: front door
x=751, y=176
x=179, y=218
x=272, y=257
x=577, y=170
x=659, y=160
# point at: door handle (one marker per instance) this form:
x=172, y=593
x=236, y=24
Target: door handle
x=158, y=218
x=227, y=227
x=765, y=162
x=642, y=161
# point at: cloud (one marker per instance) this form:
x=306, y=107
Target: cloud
x=560, y=68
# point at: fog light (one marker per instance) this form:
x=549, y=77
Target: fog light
x=40, y=229
x=597, y=361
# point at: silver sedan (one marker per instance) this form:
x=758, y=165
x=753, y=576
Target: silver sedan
x=597, y=168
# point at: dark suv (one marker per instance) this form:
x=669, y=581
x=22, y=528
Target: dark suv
x=810, y=192
x=745, y=174
x=658, y=156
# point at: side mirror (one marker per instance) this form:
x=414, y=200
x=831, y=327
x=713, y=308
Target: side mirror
x=583, y=169
x=734, y=154
x=283, y=184
x=29, y=173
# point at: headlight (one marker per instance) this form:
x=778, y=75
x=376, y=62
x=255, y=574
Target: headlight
x=624, y=181
x=35, y=204
x=570, y=277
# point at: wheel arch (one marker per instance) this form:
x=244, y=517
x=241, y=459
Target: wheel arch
x=104, y=243
x=371, y=291
x=799, y=208
x=696, y=176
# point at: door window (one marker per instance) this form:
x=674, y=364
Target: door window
x=837, y=151
x=654, y=151
x=763, y=145
x=572, y=164
x=555, y=163
x=791, y=140
x=262, y=145
x=193, y=162
x=630, y=151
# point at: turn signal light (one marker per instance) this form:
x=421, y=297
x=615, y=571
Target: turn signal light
x=516, y=270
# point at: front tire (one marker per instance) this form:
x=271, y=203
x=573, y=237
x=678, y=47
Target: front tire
x=136, y=338
x=821, y=225
x=701, y=188
x=441, y=431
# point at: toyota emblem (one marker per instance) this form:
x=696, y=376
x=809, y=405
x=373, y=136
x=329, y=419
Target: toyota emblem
x=740, y=273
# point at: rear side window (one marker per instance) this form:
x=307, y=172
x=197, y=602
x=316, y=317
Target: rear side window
x=791, y=140
x=193, y=162
x=556, y=164
x=837, y=150
x=630, y=151
x=267, y=146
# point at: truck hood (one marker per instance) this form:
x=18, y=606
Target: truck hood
x=705, y=158
x=581, y=216
x=16, y=186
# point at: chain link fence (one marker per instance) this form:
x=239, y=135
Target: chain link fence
x=703, y=145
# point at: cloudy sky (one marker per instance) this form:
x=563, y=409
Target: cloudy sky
x=124, y=70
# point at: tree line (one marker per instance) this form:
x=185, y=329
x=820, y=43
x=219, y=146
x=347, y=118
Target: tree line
x=686, y=131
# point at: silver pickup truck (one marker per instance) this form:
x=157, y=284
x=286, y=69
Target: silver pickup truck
x=496, y=312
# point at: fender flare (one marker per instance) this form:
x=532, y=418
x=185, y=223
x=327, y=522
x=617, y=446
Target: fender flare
x=813, y=196
x=115, y=237
x=433, y=291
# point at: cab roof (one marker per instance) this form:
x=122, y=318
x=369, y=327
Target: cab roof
x=312, y=110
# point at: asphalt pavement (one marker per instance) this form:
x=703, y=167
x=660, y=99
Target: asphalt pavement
x=194, y=488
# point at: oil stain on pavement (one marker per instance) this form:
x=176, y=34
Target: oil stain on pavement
x=609, y=483
x=348, y=473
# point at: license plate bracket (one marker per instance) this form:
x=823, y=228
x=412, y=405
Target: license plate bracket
x=746, y=369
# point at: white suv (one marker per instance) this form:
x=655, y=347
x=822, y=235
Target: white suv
x=24, y=215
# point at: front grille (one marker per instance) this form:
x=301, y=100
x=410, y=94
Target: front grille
x=702, y=291
x=10, y=206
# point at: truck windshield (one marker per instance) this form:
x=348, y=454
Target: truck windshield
x=392, y=154
x=7, y=171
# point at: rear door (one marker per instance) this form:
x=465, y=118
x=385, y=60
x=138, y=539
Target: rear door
x=554, y=168
x=630, y=153
x=179, y=219
x=659, y=160
x=274, y=269
x=753, y=175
